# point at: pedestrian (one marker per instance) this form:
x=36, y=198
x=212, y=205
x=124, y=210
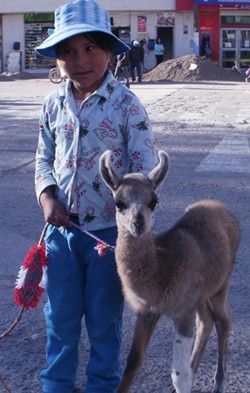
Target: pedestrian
x=208, y=50
x=159, y=51
x=136, y=57
x=90, y=113
x=247, y=74
x=122, y=69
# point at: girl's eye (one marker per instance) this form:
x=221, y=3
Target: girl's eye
x=89, y=48
x=67, y=52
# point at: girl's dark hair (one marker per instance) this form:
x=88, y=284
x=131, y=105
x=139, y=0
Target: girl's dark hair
x=102, y=40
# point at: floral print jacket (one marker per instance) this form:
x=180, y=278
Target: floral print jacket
x=71, y=142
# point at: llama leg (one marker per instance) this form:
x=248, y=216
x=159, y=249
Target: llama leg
x=182, y=375
x=222, y=314
x=204, y=325
x=144, y=328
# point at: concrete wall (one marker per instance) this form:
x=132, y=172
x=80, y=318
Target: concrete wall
x=183, y=33
x=13, y=31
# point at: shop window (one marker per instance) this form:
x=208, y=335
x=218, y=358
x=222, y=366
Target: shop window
x=229, y=38
x=235, y=20
x=36, y=31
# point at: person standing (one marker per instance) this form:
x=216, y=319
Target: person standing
x=122, y=69
x=136, y=57
x=90, y=113
x=159, y=51
x=247, y=73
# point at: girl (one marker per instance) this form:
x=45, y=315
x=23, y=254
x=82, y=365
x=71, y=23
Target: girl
x=90, y=113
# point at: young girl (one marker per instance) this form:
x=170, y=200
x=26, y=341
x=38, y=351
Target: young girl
x=159, y=51
x=91, y=113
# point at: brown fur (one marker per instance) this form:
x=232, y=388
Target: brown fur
x=183, y=272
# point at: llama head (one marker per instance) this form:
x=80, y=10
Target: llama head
x=134, y=194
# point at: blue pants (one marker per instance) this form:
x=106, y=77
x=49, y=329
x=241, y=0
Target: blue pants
x=82, y=283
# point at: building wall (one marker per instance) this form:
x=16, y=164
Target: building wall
x=183, y=33
x=124, y=14
x=13, y=31
x=23, y=6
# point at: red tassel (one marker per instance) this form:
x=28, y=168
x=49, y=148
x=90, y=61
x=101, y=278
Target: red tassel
x=33, y=253
x=28, y=290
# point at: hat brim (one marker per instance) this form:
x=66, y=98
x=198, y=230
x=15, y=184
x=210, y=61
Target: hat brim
x=47, y=48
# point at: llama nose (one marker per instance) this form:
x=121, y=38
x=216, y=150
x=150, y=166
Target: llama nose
x=138, y=222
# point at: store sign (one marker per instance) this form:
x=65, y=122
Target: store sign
x=235, y=7
x=165, y=19
x=222, y=2
x=35, y=17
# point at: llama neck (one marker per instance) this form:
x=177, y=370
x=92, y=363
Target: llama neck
x=139, y=270
x=137, y=252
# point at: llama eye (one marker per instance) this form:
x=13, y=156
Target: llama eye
x=153, y=203
x=120, y=206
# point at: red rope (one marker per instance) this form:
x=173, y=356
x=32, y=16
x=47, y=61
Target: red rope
x=93, y=236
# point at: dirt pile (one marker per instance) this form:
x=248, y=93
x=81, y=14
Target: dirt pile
x=183, y=69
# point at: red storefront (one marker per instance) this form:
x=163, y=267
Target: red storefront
x=225, y=28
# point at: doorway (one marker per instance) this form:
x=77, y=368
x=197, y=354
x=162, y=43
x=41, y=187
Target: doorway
x=166, y=36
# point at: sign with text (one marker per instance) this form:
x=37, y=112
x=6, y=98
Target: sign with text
x=223, y=2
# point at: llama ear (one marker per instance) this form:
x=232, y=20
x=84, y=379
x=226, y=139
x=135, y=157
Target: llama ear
x=110, y=177
x=157, y=174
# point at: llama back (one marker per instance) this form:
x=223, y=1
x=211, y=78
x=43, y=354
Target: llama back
x=214, y=228
x=199, y=251
x=215, y=219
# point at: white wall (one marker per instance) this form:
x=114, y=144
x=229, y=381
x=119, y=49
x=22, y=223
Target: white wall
x=13, y=31
x=183, y=43
x=7, y=6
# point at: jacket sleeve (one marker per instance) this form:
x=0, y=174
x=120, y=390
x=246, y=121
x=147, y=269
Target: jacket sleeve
x=141, y=147
x=45, y=154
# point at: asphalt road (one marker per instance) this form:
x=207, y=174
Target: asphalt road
x=205, y=128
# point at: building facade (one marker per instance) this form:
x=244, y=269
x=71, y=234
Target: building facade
x=24, y=25
x=225, y=27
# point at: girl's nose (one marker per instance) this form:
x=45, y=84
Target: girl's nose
x=81, y=57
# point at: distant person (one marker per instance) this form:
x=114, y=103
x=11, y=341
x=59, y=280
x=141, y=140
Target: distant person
x=143, y=43
x=136, y=57
x=122, y=67
x=208, y=50
x=159, y=51
x=247, y=74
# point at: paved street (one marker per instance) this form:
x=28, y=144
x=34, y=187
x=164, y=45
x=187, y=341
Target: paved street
x=205, y=128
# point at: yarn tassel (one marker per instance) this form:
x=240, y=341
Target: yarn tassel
x=30, y=282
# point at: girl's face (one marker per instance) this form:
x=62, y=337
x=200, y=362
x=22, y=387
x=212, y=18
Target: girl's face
x=84, y=63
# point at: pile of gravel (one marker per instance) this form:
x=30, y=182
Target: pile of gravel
x=181, y=69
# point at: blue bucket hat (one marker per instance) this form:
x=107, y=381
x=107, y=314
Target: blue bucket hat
x=77, y=17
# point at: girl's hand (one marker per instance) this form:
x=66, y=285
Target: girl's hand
x=54, y=212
